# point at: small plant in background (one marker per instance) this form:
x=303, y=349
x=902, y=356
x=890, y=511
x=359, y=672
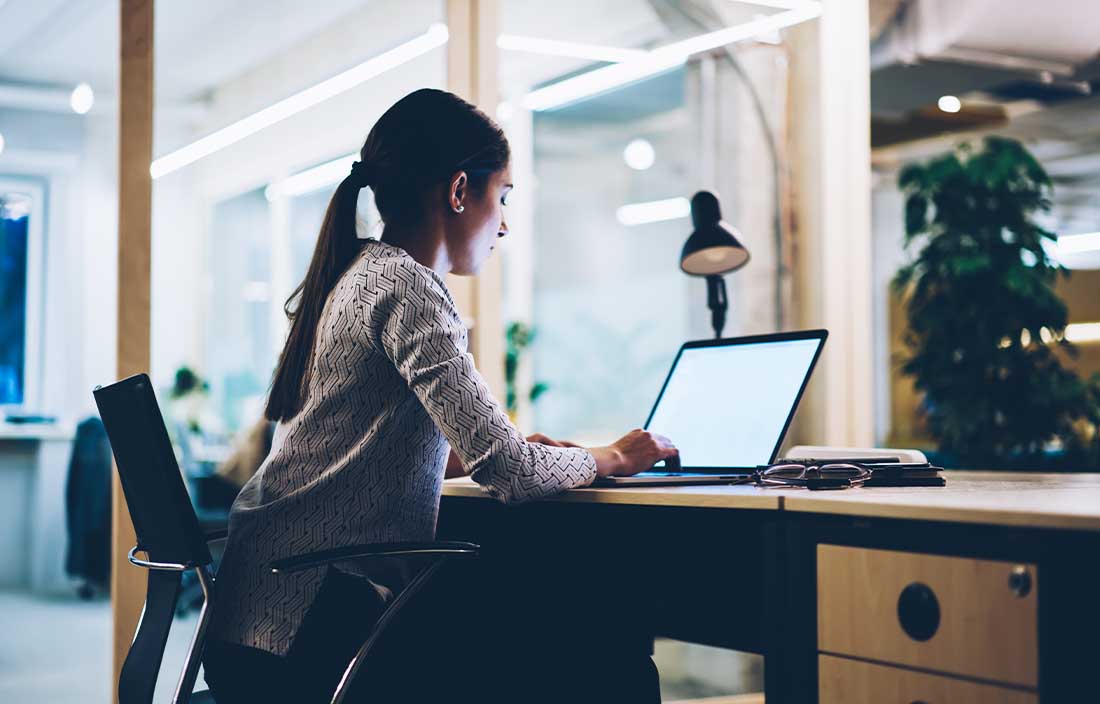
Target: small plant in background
x=985, y=323
x=188, y=396
x=519, y=337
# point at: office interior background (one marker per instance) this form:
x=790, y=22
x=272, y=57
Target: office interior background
x=260, y=107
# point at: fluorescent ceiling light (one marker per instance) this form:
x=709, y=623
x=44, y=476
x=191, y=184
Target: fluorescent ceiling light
x=436, y=36
x=661, y=59
x=1077, y=244
x=601, y=80
x=779, y=4
x=1, y=142
x=653, y=211
x=576, y=50
x=1083, y=332
x=313, y=179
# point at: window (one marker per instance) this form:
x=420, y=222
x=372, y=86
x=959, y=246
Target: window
x=20, y=289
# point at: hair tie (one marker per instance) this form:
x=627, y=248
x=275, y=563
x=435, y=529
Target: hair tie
x=361, y=174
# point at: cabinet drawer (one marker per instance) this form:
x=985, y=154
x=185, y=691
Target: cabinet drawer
x=844, y=681
x=955, y=615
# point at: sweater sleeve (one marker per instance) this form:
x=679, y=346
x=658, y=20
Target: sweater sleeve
x=423, y=335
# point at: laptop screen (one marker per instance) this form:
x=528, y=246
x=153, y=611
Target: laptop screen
x=727, y=406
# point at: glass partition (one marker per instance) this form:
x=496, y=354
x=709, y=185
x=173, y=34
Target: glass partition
x=609, y=145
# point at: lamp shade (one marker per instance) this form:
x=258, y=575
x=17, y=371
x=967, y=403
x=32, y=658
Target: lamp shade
x=713, y=247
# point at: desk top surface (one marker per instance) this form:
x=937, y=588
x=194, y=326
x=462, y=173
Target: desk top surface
x=712, y=496
x=1067, y=501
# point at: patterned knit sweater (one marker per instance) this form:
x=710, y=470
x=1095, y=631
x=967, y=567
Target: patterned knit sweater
x=391, y=389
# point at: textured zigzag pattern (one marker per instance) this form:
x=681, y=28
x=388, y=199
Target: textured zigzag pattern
x=391, y=385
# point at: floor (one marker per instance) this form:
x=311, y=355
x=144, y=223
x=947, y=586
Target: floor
x=55, y=650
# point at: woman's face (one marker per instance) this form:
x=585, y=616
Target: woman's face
x=472, y=233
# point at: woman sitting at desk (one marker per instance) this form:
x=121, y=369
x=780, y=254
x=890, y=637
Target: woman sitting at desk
x=372, y=388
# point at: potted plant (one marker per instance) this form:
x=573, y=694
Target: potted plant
x=986, y=329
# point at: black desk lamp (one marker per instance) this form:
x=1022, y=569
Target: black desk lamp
x=712, y=251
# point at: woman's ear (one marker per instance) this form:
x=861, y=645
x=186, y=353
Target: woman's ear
x=459, y=187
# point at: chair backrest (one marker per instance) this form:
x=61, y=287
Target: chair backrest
x=166, y=526
x=164, y=519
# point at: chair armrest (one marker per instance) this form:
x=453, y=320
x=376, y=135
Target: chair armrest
x=442, y=548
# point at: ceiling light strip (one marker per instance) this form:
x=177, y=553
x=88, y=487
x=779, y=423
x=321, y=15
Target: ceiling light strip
x=653, y=211
x=575, y=50
x=312, y=179
x=436, y=36
x=660, y=60
x=1078, y=244
x=1080, y=333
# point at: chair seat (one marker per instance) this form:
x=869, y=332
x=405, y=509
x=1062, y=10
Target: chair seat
x=203, y=697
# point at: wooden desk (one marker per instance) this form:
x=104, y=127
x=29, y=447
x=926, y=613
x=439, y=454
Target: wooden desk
x=1031, y=500
x=717, y=496
x=808, y=578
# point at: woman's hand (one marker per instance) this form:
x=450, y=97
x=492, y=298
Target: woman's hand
x=634, y=452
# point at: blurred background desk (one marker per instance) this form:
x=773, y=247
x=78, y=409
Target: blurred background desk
x=818, y=582
x=33, y=464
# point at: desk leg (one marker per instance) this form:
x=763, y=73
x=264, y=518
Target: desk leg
x=790, y=614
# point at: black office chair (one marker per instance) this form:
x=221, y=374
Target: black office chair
x=168, y=533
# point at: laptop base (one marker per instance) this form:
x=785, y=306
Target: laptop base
x=670, y=479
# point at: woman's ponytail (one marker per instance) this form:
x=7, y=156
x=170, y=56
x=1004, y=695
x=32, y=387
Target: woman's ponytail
x=337, y=245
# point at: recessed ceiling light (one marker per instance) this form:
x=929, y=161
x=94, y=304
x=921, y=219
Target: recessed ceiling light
x=82, y=99
x=1, y=143
x=639, y=154
x=949, y=103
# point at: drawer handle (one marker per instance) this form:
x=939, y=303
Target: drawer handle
x=1019, y=581
x=919, y=611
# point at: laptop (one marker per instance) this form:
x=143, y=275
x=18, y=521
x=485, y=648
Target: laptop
x=726, y=405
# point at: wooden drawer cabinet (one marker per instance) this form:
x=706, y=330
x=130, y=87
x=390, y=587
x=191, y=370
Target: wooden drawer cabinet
x=954, y=615
x=844, y=681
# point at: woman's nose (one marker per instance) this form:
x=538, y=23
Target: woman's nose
x=503, y=229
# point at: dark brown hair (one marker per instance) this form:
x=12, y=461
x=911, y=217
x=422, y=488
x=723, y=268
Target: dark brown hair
x=417, y=144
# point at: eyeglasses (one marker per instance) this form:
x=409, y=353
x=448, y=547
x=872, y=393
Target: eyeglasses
x=839, y=475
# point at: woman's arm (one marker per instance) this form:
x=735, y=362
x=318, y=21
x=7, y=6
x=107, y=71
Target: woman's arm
x=423, y=336
x=420, y=331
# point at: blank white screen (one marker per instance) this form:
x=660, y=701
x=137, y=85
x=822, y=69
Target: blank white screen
x=726, y=406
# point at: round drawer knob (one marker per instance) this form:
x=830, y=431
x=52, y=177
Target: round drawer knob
x=1019, y=581
x=919, y=611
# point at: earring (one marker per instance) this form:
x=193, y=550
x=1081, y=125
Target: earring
x=460, y=208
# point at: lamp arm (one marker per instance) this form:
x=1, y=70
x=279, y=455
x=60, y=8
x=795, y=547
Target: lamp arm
x=718, y=303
